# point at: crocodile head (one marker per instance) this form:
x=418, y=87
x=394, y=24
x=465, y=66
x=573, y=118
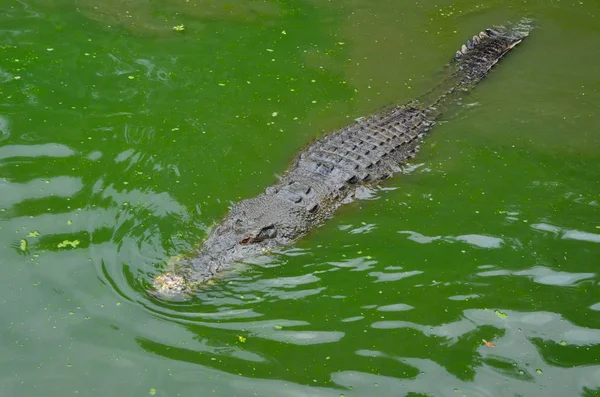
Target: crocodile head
x=253, y=228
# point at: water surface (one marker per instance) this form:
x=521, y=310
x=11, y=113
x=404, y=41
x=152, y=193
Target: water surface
x=122, y=141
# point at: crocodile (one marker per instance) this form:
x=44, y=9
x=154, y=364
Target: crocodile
x=328, y=172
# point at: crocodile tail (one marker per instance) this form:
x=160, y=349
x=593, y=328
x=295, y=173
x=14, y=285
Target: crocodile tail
x=473, y=61
x=478, y=55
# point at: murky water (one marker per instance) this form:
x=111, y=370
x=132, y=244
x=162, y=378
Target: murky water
x=122, y=140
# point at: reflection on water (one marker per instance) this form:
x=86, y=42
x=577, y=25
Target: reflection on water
x=472, y=239
x=4, y=126
x=568, y=234
x=543, y=275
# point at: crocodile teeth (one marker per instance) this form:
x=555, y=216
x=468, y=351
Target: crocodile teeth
x=482, y=35
x=458, y=54
x=476, y=40
x=469, y=44
x=463, y=49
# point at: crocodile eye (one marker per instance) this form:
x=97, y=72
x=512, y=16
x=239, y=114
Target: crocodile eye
x=246, y=240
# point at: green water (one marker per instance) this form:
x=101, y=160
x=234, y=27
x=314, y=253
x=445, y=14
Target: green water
x=127, y=140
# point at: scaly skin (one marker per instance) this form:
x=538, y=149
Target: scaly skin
x=328, y=172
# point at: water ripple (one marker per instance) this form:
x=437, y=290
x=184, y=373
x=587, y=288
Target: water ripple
x=382, y=277
x=567, y=234
x=4, y=124
x=60, y=186
x=397, y=307
x=41, y=150
x=542, y=275
x=476, y=240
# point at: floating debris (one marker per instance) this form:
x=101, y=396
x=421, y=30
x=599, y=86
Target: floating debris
x=66, y=243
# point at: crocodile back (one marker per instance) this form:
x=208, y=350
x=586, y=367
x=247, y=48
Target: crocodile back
x=370, y=150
